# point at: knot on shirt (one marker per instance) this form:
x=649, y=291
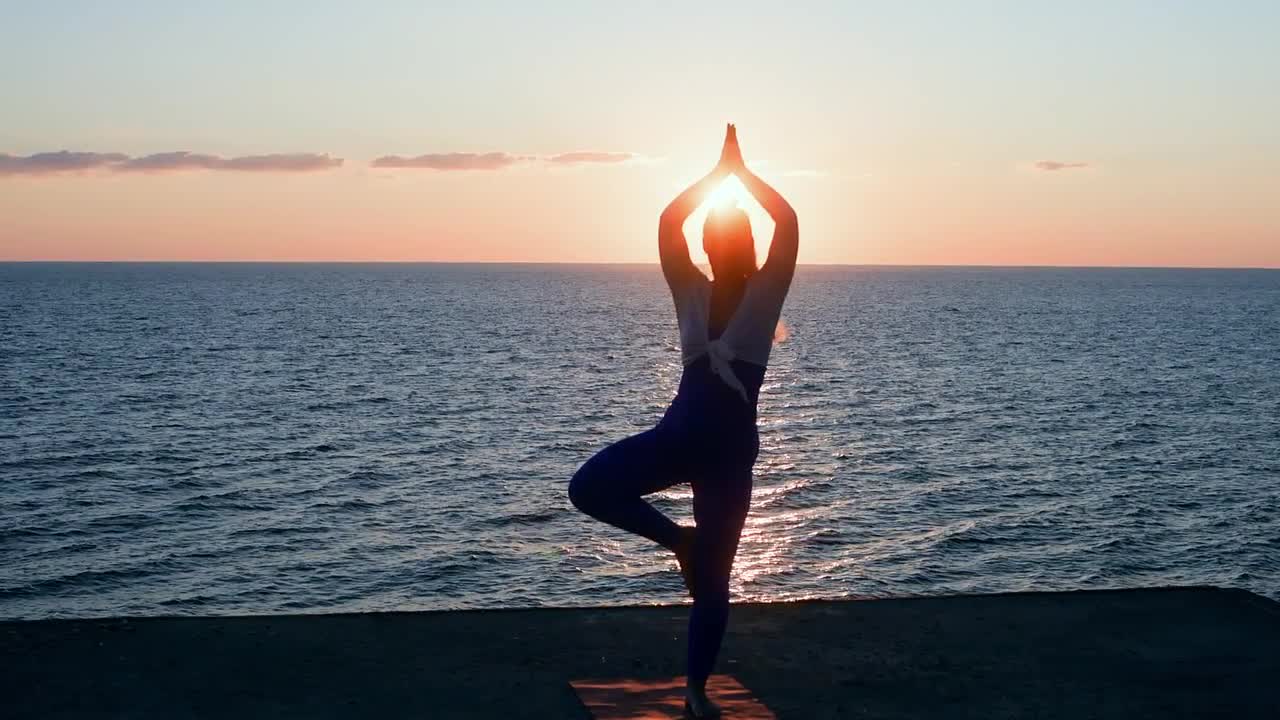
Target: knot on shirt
x=721, y=355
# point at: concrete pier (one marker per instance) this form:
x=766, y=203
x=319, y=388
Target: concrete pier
x=1158, y=653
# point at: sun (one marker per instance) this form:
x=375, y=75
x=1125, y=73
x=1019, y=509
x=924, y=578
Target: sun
x=730, y=192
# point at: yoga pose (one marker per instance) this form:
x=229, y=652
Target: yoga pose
x=707, y=437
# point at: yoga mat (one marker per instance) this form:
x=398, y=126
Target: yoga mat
x=663, y=699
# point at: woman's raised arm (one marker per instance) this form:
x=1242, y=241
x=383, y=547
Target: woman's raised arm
x=786, y=230
x=673, y=249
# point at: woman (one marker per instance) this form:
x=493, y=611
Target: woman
x=707, y=436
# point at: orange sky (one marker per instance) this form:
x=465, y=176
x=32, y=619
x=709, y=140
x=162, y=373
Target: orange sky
x=608, y=214
x=1088, y=135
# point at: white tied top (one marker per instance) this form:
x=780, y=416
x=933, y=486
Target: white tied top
x=749, y=334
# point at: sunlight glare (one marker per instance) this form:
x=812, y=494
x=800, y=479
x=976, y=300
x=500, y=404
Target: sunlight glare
x=729, y=193
x=732, y=193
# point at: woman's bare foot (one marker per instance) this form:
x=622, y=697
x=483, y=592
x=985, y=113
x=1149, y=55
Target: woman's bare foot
x=698, y=705
x=684, y=556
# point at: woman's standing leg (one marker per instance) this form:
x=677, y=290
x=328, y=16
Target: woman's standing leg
x=610, y=486
x=720, y=504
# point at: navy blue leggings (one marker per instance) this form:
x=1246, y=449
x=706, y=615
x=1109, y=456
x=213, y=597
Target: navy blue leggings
x=708, y=439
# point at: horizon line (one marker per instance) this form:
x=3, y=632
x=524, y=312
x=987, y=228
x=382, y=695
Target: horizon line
x=628, y=262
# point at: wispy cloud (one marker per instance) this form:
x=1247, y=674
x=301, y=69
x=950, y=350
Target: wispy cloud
x=450, y=161
x=589, y=156
x=1054, y=165
x=65, y=161
x=500, y=160
x=804, y=173
x=279, y=162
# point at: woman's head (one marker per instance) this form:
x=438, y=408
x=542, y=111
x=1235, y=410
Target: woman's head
x=727, y=240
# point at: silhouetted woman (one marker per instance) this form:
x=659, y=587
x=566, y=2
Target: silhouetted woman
x=707, y=437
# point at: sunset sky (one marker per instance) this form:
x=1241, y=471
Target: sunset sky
x=989, y=133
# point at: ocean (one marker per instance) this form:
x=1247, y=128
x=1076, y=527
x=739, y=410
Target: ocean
x=213, y=439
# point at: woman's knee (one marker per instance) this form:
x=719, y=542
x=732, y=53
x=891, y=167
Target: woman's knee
x=584, y=490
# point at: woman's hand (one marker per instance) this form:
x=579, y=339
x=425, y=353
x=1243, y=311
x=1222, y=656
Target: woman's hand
x=781, y=262
x=730, y=154
x=672, y=248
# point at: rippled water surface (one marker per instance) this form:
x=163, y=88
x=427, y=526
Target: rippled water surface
x=215, y=439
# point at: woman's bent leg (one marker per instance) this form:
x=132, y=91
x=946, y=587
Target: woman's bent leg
x=610, y=486
x=720, y=505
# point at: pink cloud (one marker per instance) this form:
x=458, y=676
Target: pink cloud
x=450, y=161
x=62, y=161
x=496, y=160
x=586, y=156
x=65, y=161
x=182, y=160
x=1053, y=165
